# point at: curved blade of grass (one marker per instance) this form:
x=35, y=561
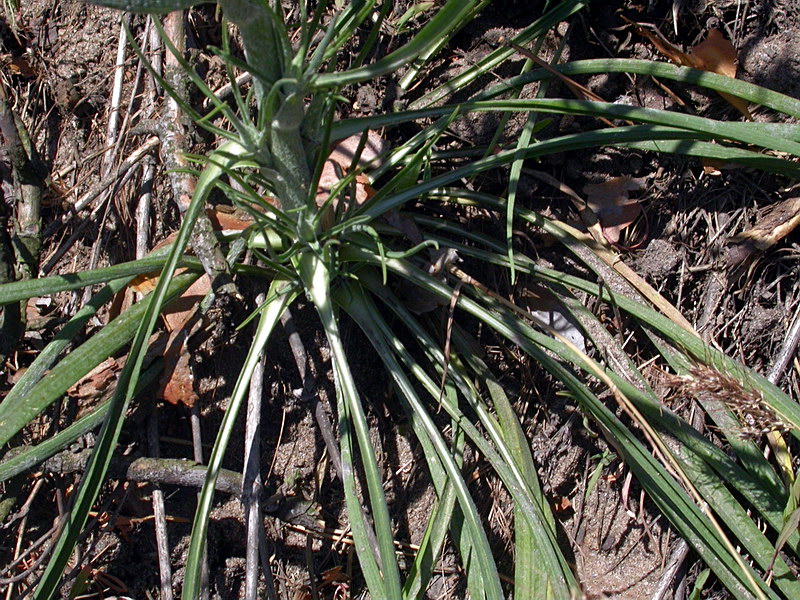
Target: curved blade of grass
x=445, y=514
x=62, y=339
x=364, y=313
x=528, y=580
x=667, y=138
x=766, y=493
x=381, y=572
x=671, y=499
x=94, y=476
x=32, y=288
x=24, y=458
x=542, y=148
x=22, y=404
x=550, y=19
x=148, y=6
x=536, y=511
x=278, y=298
x=416, y=66
x=775, y=136
x=440, y=25
x=720, y=83
x=55, y=384
x=746, y=158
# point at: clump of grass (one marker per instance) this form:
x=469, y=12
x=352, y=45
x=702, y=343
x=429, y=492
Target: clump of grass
x=276, y=140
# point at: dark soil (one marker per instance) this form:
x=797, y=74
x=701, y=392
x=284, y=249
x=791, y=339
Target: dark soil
x=619, y=542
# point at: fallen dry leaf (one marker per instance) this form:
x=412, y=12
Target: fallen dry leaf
x=715, y=54
x=229, y=218
x=180, y=310
x=96, y=385
x=19, y=65
x=181, y=318
x=345, y=151
x=183, y=321
x=665, y=47
x=340, y=161
x=176, y=385
x=562, y=504
x=614, y=208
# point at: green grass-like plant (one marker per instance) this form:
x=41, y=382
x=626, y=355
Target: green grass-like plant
x=276, y=140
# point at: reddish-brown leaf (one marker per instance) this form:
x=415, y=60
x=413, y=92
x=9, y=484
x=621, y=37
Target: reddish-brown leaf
x=715, y=54
x=614, y=208
x=177, y=379
x=97, y=381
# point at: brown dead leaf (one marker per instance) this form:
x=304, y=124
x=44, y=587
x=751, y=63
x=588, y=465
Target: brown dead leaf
x=335, y=575
x=96, y=382
x=180, y=310
x=715, y=54
x=228, y=218
x=338, y=164
x=713, y=166
x=666, y=48
x=614, y=208
x=562, y=505
x=184, y=323
x=147, y=282
x=345, y=151
x=181, y=318
x=176, y=385
x=19, y=65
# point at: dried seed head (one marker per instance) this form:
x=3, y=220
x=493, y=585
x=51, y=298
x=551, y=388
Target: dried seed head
x=756, y=416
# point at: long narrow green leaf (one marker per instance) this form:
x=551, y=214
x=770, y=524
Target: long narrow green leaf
x=775, y=136
x=383, y=579
x=529, y=579
x=566, y=143
x=561, y=12
x=550, y=559
x=94, y=476
x=438, y=26
x=445, y=513
x=25, y=458
x=720, y=83
x=766, y=493
x=31, y=288
x=278, y=298
x=24, y=403
x=414, y=69
x=671, y=499
x=62, y=339
x=356, y=303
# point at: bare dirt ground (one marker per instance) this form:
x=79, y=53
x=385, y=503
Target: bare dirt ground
x=58, y=73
